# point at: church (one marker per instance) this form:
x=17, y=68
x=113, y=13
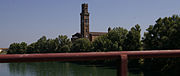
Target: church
x=85, y=32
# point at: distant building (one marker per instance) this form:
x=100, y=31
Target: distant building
x=3, y=49
x=85, y=33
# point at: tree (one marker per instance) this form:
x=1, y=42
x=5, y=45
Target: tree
x=63, y=43
x=81, y=45
x=23, y=48
x=165, y=34
x=133, y=40
x=102, y=44
x=41, y=45
x=117, y=37
x=52, y=46
x=44, y=45
x=32, y=48
x=17, y=48
x=65, y=48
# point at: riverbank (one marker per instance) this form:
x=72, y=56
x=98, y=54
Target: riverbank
x=3, y=52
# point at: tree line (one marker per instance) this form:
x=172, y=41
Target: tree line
x=117, y=39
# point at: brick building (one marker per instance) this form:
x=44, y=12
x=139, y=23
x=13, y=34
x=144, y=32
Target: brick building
x=85, y=33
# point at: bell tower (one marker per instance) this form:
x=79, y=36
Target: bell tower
x=84, y=21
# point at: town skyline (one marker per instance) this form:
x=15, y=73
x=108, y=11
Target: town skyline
x=29, y=20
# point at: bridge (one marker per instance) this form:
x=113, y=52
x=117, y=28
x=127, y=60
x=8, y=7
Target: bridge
x=122, y=56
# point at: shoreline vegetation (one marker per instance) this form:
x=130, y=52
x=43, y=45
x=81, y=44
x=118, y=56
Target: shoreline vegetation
x=3, y=52
x=163, y=35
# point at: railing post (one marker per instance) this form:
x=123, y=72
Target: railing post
x=122, y=69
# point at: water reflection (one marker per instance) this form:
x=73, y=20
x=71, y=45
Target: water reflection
x=57, y=69
x=71, y=69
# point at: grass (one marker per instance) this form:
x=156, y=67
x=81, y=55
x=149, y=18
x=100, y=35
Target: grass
x=3, y=52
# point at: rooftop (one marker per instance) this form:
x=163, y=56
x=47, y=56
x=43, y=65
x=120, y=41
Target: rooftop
x=3, y=48
x=97, y=33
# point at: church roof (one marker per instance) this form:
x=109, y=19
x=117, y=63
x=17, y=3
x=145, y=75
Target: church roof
x=97, y=33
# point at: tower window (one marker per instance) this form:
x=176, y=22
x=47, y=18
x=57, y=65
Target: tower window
x=86, y=20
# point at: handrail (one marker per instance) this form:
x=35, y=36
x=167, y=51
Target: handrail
x=86, y=56
x=123, y=55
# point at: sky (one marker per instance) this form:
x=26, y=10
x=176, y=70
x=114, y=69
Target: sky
x=28, y=20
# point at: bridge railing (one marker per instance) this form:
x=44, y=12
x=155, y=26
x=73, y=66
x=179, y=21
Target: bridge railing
x=123, y=56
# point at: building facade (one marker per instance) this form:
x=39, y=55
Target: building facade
x=85, y=32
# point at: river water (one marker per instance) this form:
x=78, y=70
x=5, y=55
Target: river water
x=55, y=69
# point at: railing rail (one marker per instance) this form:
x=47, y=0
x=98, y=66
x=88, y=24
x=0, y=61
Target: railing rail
x=122, y=55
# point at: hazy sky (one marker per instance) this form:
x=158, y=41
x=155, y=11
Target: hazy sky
x=28, y=20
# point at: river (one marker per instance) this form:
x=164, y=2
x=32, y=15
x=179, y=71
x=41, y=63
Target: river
x=55, y=69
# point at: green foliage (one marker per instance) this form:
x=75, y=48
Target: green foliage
x=102, y=44
x=63, y=43
x=119, y=39
x=43, y=45
x=133, y=40
x=51, y=45
x=65, y=48
x=81, y=45
x=17, y=48
x=32, y=48
x=164, y=34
